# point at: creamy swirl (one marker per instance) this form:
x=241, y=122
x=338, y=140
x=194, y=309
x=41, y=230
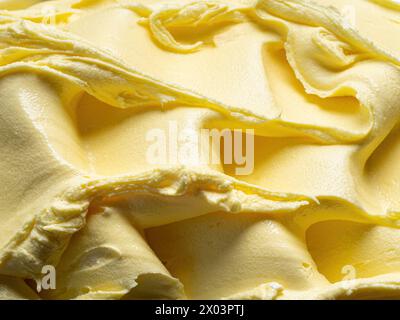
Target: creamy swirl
x=83, y=82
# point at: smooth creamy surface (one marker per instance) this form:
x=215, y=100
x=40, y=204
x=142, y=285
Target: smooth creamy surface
x=82, y=82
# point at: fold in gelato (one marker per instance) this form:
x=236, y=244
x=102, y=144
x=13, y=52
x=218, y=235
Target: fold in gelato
x=83, y=82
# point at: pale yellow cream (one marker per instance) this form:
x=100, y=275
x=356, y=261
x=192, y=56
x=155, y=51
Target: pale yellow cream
x=82, y=82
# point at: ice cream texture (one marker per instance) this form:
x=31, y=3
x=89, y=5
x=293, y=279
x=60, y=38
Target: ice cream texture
x=83, y=81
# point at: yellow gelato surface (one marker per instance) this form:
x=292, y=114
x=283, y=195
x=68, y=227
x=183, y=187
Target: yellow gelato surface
x=311, y=88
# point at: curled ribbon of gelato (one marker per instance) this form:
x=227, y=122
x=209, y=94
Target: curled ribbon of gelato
x=84, y=84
